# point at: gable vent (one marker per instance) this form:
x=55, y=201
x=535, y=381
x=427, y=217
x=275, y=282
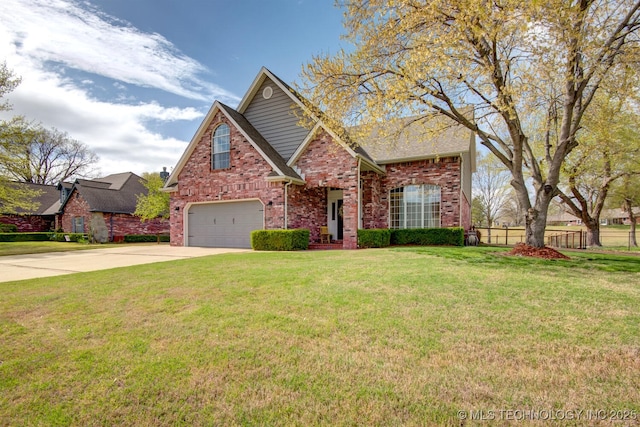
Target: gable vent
x=267, y=92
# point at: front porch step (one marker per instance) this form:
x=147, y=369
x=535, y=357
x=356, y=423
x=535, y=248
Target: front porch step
x=336, y=244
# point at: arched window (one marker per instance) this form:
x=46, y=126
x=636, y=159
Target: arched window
x=415, y=206
x=220, y=146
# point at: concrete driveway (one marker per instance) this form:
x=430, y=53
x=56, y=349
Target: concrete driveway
x=19, y=267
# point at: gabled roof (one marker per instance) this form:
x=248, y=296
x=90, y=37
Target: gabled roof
x=267, y=151
x=280, y=167
x=115, y=193
x=409, y=140
x=48, y=198
x=316, y=115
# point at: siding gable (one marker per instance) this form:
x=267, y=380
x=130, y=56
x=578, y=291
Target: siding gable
x=277, y=119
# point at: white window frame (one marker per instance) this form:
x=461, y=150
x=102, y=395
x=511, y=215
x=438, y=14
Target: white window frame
x=219, y=141
x=415, y=206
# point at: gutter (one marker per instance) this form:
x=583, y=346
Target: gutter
x=286, y=204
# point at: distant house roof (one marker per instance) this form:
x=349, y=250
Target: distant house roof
x=48, y=199
x=115, y=193
x=618, y=213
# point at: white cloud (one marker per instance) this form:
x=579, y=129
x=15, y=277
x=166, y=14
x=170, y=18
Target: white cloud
x=42, y=39
x=80, y=37
x=116, y=132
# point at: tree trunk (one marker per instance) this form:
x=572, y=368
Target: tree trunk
x=632, y=219
x=593, y=232
x=535, y=224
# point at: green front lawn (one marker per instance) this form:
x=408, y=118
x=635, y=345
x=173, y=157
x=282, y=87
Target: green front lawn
x=399, y=336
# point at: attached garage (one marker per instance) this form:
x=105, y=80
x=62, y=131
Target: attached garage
x=224, y=224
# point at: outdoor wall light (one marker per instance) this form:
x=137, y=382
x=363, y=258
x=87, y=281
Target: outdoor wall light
x=270, y=203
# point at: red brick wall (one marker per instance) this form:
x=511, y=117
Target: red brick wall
x=327, y=164
x=124, y=224
x=76, y=206
x=307, y=208
x=244, y=179
x=29, y=223
x=374, y=213
x=466, y=213
x=444, y=172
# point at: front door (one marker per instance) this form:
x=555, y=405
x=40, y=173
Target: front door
x=334, y=213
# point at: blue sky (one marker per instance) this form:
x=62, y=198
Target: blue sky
x=133, y=79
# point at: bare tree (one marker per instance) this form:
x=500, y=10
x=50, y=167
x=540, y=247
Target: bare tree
x=491, y=188
x=31, y=153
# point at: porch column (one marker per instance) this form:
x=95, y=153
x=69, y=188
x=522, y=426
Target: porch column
x=350, y=218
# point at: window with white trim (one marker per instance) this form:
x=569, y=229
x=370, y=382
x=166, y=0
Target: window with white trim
x=220, y=147
x=415, y=206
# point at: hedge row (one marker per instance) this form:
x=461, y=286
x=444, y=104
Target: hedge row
x=379, y=238
x=24, y=237
x=453, y=236
x=374, y=238
x=280, y=240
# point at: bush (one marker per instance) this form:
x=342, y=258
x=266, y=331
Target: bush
x=374, y=238
x=140, y=238
x=428, y=236
x=8, y=228
x=73, y=237
x=280, y=240
x=24, y=237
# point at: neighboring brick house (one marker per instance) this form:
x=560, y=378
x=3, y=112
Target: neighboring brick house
x=255, y=167
x=40, y=219
x=104, y=208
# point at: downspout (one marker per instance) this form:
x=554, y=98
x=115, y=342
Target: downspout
x=286, y=204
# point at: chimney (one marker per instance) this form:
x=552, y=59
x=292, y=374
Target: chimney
x=164, y=174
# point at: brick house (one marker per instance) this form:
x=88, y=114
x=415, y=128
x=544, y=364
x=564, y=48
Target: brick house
x=40, y=219
x=256, y=167
x=104, y=208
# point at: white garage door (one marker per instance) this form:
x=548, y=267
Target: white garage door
x=224, y=225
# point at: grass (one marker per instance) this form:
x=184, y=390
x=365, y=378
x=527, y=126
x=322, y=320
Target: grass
x=22, y=248
x=399, y=336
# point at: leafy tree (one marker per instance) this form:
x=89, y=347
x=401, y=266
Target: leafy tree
x=485, y=65
x=155, y=203
x=608, y=151
x=477, y=214
x=490, y=184
x=626, y=193
x=12, y=197
x=31, y=153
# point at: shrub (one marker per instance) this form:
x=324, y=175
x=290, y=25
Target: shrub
x=8, y=228
x=374, y=238
x=73, y=237
x=428, y=236
x=140, y=238
x=280, y=240
x=24, y=237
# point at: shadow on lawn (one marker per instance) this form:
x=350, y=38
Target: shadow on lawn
x=497, y=257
